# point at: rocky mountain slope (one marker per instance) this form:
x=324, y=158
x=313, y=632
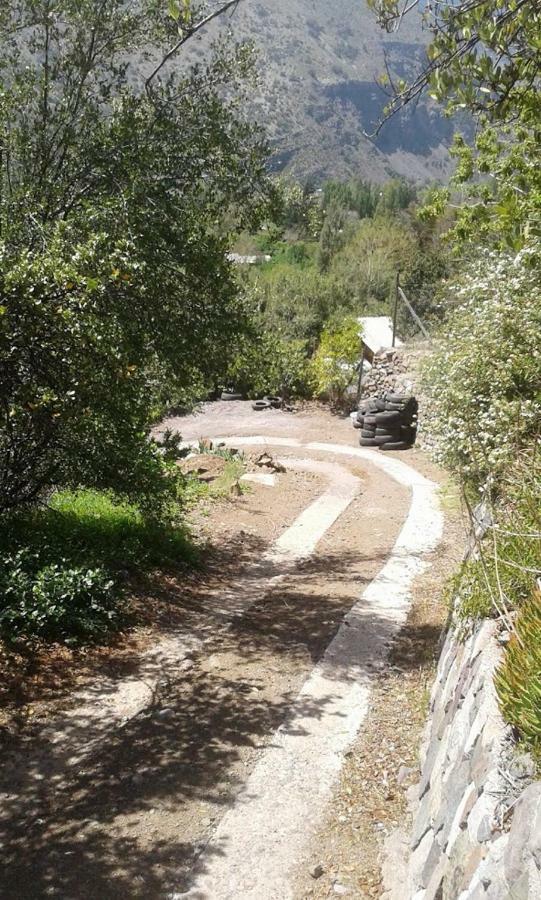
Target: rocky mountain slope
x=318, y=94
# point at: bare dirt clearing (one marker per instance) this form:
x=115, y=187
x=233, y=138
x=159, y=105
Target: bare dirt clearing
x=118, y=789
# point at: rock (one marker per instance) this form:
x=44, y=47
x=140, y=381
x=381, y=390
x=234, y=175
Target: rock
x=404, y=774
x=522, y=766
x=339, y=888
x=186, y=664
x=317, y=871
x=525, y=835
x=484, y=832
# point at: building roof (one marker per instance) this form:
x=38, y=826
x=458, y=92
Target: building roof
x=377, y=333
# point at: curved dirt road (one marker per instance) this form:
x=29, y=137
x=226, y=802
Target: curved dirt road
x=206, y=771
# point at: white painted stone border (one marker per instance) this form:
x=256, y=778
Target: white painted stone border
x=262, y=837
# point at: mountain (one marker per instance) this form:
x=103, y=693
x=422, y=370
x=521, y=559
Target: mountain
x=318, y=63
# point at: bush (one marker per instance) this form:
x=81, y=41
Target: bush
x=334, y=365
x=56, y=602
x=518, y=679
x=500, y=579
x=268, y=364
x=484, y=380
x=61, y=566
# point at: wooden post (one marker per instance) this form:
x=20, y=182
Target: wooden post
x=361, y=366
x=395, y=310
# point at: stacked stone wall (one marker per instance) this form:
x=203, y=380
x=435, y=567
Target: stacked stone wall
x=476, y=832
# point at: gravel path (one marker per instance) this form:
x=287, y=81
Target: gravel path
x=205, y=770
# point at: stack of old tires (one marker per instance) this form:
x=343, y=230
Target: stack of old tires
x=389, y=423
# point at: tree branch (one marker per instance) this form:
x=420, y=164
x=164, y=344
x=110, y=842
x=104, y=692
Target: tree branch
x=189, y=33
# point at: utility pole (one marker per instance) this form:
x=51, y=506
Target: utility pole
x=395, y=310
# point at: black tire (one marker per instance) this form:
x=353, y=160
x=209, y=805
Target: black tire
x=379, y=404
x=397, y=398
x=261, y=404
x=396, y=445
x=390, y=433
x=368, y=442
x=389, y=418
x=370, y=420
x=275, y=402
x=356, y=424
x=408, y=433
x=368, y=406
x=229, y=395
x=368, y=433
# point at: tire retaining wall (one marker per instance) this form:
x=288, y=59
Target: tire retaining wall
x=397, y=371
x=476, y=832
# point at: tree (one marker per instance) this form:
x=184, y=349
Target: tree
x=115, y=289
x=484, y=58
x=367, y=266
x=333, y=235
x=334, y=363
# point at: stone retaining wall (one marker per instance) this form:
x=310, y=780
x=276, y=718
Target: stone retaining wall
x=476, y=831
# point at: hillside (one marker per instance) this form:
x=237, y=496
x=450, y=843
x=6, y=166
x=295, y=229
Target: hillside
x=318, y=92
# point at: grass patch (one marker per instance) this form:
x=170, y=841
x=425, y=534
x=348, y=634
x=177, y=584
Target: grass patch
x=518, y=680
x=500, y=582
x=63, y=567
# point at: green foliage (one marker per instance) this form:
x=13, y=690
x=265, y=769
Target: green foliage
x=300, y=211
x=499, y=578
x=368, y=199
x=334, y=235
x=367, y=266
x=116, y=294
x=518, y=679
x=484, y=380
x=486, y=60
x=268, y=364
x=96, y=528
x=63, y=566
x=295, y=304
x=334, y=365
x=56, y=602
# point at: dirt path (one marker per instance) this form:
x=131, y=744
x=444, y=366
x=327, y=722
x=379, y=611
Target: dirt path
x=153, y=784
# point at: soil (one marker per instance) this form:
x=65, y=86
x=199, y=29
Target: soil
x=122, y=801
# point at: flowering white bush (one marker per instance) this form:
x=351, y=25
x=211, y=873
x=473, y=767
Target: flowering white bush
x=484, y=380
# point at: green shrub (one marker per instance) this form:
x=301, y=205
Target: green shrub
x=61, y=566
x=268, y=364
x=56, y=602
x=485, y=380
x=333, y=367
x=518, y=679
x=96, y=528
x=500, y=579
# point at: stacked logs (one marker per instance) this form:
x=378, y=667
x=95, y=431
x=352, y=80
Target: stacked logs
x=389, y=423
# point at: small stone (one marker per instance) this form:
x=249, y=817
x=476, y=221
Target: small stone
x=404, y=774
x=317, y=871
x=340, y=888
x=484, y=832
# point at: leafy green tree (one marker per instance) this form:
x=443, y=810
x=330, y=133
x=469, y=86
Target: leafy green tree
x=268, y=364
x=115, y=291
x=367, y=266
x=334, y=235
x=333, y=366
x=296, y=303
x=485, y=59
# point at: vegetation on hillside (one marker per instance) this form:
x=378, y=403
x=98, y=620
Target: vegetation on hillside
x=117, y=202
x=485, y=377
x=334, y=255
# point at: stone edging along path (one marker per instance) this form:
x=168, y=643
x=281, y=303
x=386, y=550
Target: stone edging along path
x=263, y=835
